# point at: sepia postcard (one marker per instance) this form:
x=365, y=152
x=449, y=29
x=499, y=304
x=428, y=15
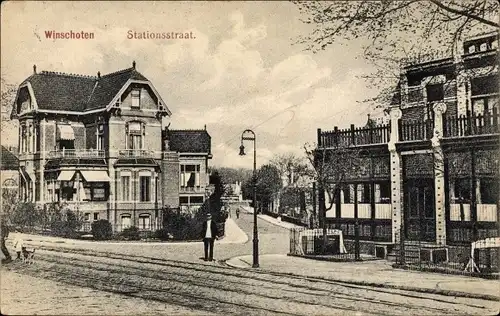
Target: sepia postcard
x=250, y=157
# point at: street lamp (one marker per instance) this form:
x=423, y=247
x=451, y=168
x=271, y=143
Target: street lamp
x=250, y=135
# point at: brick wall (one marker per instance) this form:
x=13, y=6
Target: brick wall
x=79, y=136
x=147, y=99
x=416, y=113
x=91, y=139
x=170, y=180
x=50, y=131
x=418, y=165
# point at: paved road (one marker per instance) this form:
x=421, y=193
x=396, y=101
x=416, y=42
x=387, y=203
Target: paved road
x=172, y=280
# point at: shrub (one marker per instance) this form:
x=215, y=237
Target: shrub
x=63, y=229
x=163, y=234
x=101, y=230
x=131, y=233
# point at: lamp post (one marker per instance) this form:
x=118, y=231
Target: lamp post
x=250, y=135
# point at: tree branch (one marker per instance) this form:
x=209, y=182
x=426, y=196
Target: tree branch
x=464, y=13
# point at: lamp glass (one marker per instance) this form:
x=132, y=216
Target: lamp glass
x=242, y=150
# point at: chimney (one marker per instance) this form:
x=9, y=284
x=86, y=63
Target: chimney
x=133, y=64
x=34, y=69
x=98, y=75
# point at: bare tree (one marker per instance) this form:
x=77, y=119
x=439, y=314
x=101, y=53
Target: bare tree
x=330, y=169
x=411, y=30
x=291, y=167
x=7, y=101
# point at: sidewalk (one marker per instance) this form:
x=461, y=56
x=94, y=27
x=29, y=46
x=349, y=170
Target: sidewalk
x=271, y=219
x=233, y=235
x=378, y=273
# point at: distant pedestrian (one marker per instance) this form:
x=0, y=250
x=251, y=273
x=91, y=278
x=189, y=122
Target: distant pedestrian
x=209, y=231
x=237, y=213
x=18, y=246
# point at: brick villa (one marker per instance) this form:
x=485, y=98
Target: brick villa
x=101, y=145
x=431, y=174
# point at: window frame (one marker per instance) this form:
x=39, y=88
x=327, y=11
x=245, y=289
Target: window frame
x=128, y=198
x=141, y=225
x=135, y=95
x=130, y=221
x=145, y=197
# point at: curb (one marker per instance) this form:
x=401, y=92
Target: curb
x=373, y=284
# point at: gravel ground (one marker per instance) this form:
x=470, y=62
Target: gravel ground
x=171, y=279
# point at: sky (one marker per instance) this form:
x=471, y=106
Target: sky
x=241, y=70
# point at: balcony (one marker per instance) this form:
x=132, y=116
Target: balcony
x=75, y=153
x=195, y=189
x=471, y=124
x=354, y=136
x=415, y=130
x=136, y=153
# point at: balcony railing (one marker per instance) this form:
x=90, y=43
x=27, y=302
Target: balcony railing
x=132, y=153
x=76, y=153
x=415, y=130
x=354, y=136
x=195, y=189
x=471, y=124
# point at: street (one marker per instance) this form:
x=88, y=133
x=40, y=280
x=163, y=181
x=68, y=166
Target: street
x=172, y=279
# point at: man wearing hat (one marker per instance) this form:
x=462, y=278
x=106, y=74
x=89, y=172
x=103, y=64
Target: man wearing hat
x=209, y=232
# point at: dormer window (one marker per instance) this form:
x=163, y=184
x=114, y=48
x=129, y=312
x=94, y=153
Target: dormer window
x=136, y=98
x=472, y=49
x=483, y=47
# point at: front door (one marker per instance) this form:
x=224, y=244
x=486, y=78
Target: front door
x=420, y=220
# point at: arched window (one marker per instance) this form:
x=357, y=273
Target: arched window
x=126, y=221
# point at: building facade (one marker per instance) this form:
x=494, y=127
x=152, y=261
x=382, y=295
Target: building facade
x=9, y=174
x=100, y=145
x=431, y=173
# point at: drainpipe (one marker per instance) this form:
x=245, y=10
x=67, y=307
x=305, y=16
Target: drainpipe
x=115, y=197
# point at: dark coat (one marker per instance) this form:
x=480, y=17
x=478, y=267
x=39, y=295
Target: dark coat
x=213, y=227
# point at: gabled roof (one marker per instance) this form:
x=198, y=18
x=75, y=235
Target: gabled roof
x=189, y=141
x=69, y=92
x=8, y=160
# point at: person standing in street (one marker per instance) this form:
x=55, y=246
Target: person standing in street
x=209, y=231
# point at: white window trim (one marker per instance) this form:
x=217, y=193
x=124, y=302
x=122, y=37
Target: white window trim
x=129, y=175
x=132, y=98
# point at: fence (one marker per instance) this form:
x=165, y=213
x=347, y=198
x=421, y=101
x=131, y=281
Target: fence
x=311, y=243
x=415, y=130
x=480, y=258
x=354, y=136
x=471, y=124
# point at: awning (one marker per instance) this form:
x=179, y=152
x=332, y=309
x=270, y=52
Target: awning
x=66, y=132
x=96, y=176
x=66, y=175
x=24, y=174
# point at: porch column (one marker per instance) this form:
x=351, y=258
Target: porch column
x=397, y=214
x=439, y=180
